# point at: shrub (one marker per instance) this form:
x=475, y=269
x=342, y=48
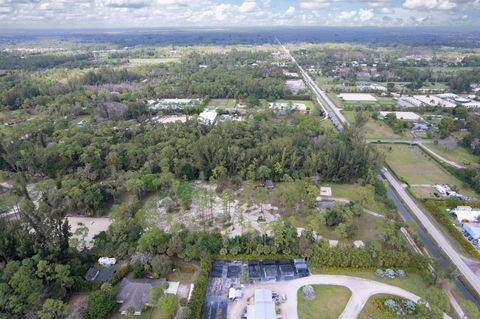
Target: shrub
x=119, y=275
x=198, y=293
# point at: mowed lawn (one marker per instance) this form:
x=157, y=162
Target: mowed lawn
x=458, y=154
x=375, y=129
x=328, y=303
x=415, y=167
x=222, y=103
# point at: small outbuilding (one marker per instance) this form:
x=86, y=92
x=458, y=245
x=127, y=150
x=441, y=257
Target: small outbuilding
x=269, y=184
x=92, y=274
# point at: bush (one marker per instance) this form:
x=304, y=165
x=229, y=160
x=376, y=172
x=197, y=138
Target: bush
x=82, y=285
x=119, y=275
x=350, y=257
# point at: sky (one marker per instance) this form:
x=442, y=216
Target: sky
x=61, y=14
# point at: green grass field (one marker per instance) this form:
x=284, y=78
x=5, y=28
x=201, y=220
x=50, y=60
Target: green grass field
x=412, y=165
x=376, y=129
x=222, y=103
x=365, y=195
x=328, y=304
x=458, y=154
x=151, y=61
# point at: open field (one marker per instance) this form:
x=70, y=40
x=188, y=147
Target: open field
x=412, y=165
x=221, y=103
x=367, y=227
x=329, y=302
x=148, y=61
x=362, y=194
x=376, y=129
x=381, y=103
x=458, y=154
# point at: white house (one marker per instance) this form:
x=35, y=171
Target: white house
x=465, y=214
x=207, y=117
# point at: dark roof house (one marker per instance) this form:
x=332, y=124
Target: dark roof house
x=92, y=274
x=135, y=293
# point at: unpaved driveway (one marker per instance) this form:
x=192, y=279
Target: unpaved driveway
x=362, y=289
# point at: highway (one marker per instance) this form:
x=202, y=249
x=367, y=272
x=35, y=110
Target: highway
x=328, y=107
x=437, y=236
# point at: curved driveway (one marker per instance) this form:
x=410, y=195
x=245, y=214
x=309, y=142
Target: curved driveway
x=361, y=289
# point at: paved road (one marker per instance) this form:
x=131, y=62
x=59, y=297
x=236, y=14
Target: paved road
x=361, y=289
x=437, y=236
x=328, y=107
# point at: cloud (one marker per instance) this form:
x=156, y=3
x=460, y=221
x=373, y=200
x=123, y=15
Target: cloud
x=347, y=15
x=430, y=4
x=362, y=15
x=133, y=4
x=290, y=11
x=315, y=4
x=365, y=14
x=248, y=6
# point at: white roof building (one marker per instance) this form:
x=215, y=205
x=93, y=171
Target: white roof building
x=407, y=116
x=466, y=214
x=462, y=100
x=207, y=117
x=409, y=101
x=106, y=261
x=472, y=104
x=433, y=100
x=264, y=307
x=449, y=96
x=325, y=191
x=176, y=101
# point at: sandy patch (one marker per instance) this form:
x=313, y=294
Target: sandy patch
x=95, y=226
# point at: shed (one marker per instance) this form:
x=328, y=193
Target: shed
x=92, y=274
x=105, y=274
